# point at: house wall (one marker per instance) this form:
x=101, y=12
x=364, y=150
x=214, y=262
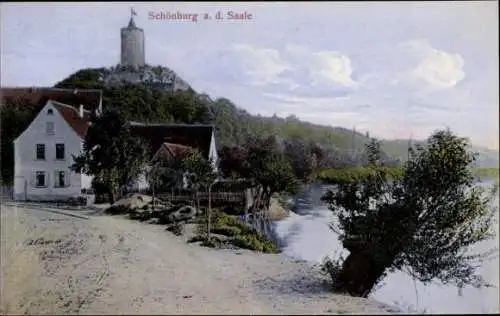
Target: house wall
x=26, y=164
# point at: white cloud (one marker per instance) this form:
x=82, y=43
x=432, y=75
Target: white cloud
x=296, y=67
x=411, y=89
x=322, y=68
x=333, y=67
x=262, y=64
x=437, y=68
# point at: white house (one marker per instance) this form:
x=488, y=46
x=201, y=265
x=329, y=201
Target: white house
x=43, y=154
x=174, y=141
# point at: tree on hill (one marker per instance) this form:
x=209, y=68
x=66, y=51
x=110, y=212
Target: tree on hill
x=147, y=103
x=142, y=101
x=424, y=224
x=110, y=153
x=234, y=125
x=90, y=78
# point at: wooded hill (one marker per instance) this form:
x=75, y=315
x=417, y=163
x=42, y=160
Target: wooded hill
x=143, y=102
x=234, y=124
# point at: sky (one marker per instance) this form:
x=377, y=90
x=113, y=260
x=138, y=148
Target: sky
x=396, y=69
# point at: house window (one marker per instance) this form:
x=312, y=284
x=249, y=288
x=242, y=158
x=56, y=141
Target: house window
x=49, y=128
x=60, y=151
x=60, y=179
x=40, y=151
x=40, y=180
x=50, y=112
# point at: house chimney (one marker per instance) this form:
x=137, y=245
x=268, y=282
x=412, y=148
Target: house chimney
x=80, y=112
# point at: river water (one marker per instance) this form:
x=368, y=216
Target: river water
x=306, y=235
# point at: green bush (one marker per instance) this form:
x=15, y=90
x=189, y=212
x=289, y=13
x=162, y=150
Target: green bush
x=240, y=234
x=213, y=242
x=354, y=174
x=226, y=231
x=254, y=242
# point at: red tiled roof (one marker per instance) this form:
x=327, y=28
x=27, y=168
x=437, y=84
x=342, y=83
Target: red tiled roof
x=178, y=150
x=198, y=137
x=38, y=96
x=71, y=115
x=66, y=101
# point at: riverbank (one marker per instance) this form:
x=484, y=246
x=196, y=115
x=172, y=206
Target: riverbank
x=53, y=263
x=307, y=236
x=331, y=175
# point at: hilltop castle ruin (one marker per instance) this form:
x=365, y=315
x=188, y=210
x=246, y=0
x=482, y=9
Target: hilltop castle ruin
x=133, y=67
x=132, y=42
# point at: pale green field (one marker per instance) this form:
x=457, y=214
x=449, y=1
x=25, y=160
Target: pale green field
x=488, y=173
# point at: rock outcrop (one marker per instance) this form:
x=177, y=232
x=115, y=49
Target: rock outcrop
x=157, y=77
x=140, y=207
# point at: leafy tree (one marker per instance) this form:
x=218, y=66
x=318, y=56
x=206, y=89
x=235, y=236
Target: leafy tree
x=163, y=173
x=233, y=162
x=200, y=175
x=272, y=173
x=424, y=224
x=110, y=153
x=263, y=163
x=301, y=155
x=154, y=180
x=269, y=170
x=15, y=117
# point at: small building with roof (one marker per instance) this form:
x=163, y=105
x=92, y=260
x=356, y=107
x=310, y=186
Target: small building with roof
x=43, y=152
x=175, y=141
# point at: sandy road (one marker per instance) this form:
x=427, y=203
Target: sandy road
x=52, y=263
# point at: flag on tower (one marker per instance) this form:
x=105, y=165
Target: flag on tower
x=133, y=12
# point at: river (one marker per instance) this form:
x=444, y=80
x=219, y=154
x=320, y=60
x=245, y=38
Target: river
x=306, y=235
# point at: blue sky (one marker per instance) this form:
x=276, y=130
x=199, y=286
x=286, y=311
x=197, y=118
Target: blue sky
x=395, y=69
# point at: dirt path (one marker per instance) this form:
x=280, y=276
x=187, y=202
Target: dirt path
x=52, y=263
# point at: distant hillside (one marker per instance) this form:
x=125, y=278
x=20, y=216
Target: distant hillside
x=487, y=158
x=142, y=101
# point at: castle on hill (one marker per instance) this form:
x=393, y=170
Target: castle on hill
x=132, y=42
x=133, y=67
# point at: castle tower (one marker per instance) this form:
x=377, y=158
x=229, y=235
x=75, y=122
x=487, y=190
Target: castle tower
x=132, y=37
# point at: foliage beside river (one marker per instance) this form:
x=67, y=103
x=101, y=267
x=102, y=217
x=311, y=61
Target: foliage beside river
x=487, y=173
x=353, y=174
x=331, y=175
